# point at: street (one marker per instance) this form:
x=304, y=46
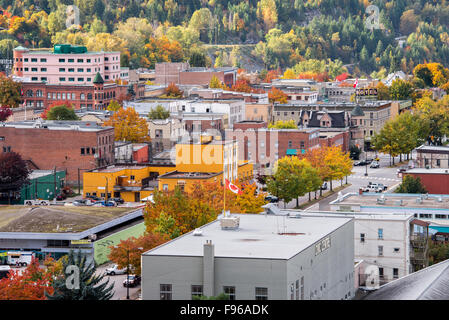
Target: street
x=384, y=175
x=117, y=280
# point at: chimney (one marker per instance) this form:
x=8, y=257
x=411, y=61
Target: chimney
x=208, y=269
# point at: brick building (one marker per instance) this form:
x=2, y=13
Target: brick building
x=265, y=146
x=436, y=181
x=95, y=96
x=432, y=157
x=182, y=74
x=66, y=145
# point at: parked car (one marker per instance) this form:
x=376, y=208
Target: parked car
x=324, y=186
x=402, y=169
x=82, y=202
x=272, y=199
x=360, y=163
x=133, y=281
x=105, y=204
x=374, y=165
x=112, y=271
x=94, y=198
x=380, y=185
x=368, y=161
x=61, y=197
x=372, y=188
x=118, y=200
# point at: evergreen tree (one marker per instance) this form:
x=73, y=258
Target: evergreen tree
x=90, y=286
x=411, y=185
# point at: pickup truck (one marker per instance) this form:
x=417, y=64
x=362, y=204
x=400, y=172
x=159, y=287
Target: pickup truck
x=375, y=187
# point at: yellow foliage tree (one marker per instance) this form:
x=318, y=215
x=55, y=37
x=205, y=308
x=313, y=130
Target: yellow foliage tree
x=128, y=126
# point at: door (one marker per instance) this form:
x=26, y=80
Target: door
x=137, y=197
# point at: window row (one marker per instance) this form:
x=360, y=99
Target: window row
x=63, y=79
x=68, y=95
x=166, y=292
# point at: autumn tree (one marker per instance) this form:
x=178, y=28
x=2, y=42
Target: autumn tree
x=215, y=83
x=401, y=90
x=317, y=158
x=339, y=163
x=135, y=247
x=91, y=286
x=277, y=95
x=172, y=91
x=158, y=113
x=293, y=178
x=383, y=92
x=29, y=284
x=280, y=124
x=9, y=92
x=242, y=86
x=128, y=126
x=435, y=118
x=5, y=113
x=14, y=172
x=114, y=106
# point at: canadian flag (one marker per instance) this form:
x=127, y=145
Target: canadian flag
x=356, y=83
x=232, y=187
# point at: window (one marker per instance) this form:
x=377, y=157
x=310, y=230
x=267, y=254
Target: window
x=197, y=291
x=438, y=162
x=302, y=145
x=82, y=151
x=230, y=291
x=88, y=60
x=380, y=233
x=71, y=69
x=396, y=249
x=43, y=78
x=63, y=96
x=82, y=96
x=71, y=60
x=26, y=69
x=34, y=78
x=71, y=79
x=297, y=289
x=80, y=70
x=61, y=69
x=165, y=291
x=33, y=59
x=165, y=187
x=302, y=288
x=80, y=60
x=261, y=293
x=80, y=79
x=26, y=60
x=43, y=59
x=44, y=69
x=362, y=237
x=89, y=70
x=381, y=273
x=289, y=143
x=61, y=60
x=34, y=69
x=380, y=250
x=89, y=79
x=395, y=273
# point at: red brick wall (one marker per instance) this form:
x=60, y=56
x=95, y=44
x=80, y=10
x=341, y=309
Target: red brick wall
x=295, y=137
x=434, y=183
x=199, y=78
x=249, y=125
x=331, y=141
x=60, y=148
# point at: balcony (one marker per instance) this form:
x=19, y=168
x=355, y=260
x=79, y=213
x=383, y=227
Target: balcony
x=124, y=183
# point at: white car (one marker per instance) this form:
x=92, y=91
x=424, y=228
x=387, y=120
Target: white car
x=115, y=270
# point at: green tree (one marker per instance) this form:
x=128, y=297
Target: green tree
x=158, y=113
x=114, y=106
x=62, y=112
x=401, y=90
x=90, y=286
x=411, y=185
x=215, y=83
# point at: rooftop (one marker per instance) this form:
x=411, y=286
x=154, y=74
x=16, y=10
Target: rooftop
x=56, y=125
x=118, y=168
x=189, y=175
x=259, y=236
x=431, y=283
x=392, y=200
x=58, y=219
x=429, y=171
x=39, y=174
x=432, y=148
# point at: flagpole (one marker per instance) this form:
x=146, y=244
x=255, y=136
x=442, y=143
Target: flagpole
x=224, y=187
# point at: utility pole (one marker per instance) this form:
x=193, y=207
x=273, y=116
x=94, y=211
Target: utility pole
x=54, y=181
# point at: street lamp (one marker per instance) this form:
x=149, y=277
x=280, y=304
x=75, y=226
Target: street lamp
x=127, y=270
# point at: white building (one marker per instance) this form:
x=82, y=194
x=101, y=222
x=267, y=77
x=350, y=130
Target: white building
x=266, y=257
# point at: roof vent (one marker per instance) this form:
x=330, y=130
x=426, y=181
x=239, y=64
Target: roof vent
x=198, y=232
x=419, y=200
x=230, y=223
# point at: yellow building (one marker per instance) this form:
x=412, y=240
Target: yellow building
x=131, y=183
x=205, y=161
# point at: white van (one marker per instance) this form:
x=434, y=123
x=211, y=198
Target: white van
x=20, y=258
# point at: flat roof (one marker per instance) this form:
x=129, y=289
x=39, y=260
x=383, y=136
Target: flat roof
x=429, y=171
x=432, y=148
x=56, y=219
x=39, y=173
x=56, y=125
x=391, y=199
x=115, y=168
x=189, y=175
x=257, y=237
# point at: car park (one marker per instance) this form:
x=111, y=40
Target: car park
x=82, y=202
x=104, y=204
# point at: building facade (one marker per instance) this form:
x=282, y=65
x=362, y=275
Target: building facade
x=67, y=145
x=311, y=258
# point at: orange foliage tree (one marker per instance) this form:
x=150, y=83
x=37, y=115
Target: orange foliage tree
x=135, y=246
x=277, y=95
x=31, y=284
x=176, y=212
x=172, y=91
x=241, y=86
x=128, y=126
x=162, y=50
